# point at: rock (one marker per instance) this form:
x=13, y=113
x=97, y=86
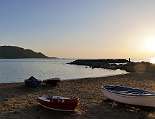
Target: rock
x=51, y=82
x=32, y=82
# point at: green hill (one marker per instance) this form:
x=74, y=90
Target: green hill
x=14, y=52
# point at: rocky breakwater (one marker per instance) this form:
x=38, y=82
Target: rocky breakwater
x=113, y=64
x=102, y=63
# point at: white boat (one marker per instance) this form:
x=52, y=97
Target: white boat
x=129, y=95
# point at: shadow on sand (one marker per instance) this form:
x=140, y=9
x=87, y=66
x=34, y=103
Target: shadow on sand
x=38, y=112
x=19, y=90
x=105, y=110
x=112, y=110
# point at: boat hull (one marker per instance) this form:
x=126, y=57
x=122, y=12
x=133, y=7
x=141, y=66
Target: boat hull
x=141, y=100
x=58, y=104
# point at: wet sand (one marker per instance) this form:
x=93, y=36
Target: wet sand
x=18, y=102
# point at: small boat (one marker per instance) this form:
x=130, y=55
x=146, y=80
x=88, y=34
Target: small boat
x=58, y=103
x=129, y=95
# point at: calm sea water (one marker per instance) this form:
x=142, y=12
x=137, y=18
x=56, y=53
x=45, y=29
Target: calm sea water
x=17, y=70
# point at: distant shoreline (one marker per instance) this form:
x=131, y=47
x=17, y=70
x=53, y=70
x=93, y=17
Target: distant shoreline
x=32, y=58
x=15, y=52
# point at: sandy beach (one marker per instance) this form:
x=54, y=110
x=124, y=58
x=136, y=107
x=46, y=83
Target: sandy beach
x=18, y=102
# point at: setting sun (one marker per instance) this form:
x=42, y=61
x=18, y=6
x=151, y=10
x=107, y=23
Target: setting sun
x=152, y=60
x=149, y=44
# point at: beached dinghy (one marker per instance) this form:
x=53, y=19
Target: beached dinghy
x=129, y=95
x=58, y=103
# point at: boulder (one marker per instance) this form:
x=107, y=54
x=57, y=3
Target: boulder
x=32, y=82
x=51, y=82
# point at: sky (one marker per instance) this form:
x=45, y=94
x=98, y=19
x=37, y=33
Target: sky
x=80, y=28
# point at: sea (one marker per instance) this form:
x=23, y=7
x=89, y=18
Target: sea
x=17, y=70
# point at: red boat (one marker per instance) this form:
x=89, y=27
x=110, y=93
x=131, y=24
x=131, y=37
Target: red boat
x=58, y=103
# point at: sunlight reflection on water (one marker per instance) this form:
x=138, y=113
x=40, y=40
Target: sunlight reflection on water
x=17, y=70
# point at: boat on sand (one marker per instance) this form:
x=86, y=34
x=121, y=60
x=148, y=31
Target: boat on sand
x=58, y=103
x=129, y=95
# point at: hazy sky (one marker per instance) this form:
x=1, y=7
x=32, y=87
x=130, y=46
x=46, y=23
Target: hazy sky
x=80, y=28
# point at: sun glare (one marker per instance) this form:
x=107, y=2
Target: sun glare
x=149, y=44
x=152, y=60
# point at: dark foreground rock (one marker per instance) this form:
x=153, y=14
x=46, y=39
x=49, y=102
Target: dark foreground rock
x=51, y=82
x=32, y=82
